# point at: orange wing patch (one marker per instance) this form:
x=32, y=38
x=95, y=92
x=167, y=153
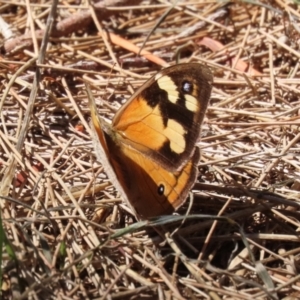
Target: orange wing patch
x=141, y=125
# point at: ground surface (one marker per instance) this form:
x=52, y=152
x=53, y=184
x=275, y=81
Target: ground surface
x=69, y=236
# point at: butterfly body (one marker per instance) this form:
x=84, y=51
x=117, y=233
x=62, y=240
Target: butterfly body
x=149, y=151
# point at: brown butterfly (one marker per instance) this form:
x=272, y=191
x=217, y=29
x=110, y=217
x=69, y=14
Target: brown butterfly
x=149, y=151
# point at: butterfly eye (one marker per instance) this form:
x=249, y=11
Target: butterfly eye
x=161, y=189
x=187, y=87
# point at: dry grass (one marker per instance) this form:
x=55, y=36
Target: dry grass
x=69, y=231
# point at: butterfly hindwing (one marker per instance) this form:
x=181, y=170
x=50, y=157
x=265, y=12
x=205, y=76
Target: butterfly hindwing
x=150, y=189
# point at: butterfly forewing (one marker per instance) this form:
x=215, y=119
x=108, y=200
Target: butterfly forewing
x=169, y=111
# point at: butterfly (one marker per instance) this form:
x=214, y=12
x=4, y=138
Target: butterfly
x=149, y=150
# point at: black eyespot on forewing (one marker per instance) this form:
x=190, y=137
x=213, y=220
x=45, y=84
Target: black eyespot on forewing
x=187, y=87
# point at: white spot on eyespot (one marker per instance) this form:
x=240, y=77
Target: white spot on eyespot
x=191, y=103
x=187, y=87
x=175, y=133
x=166, y=83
